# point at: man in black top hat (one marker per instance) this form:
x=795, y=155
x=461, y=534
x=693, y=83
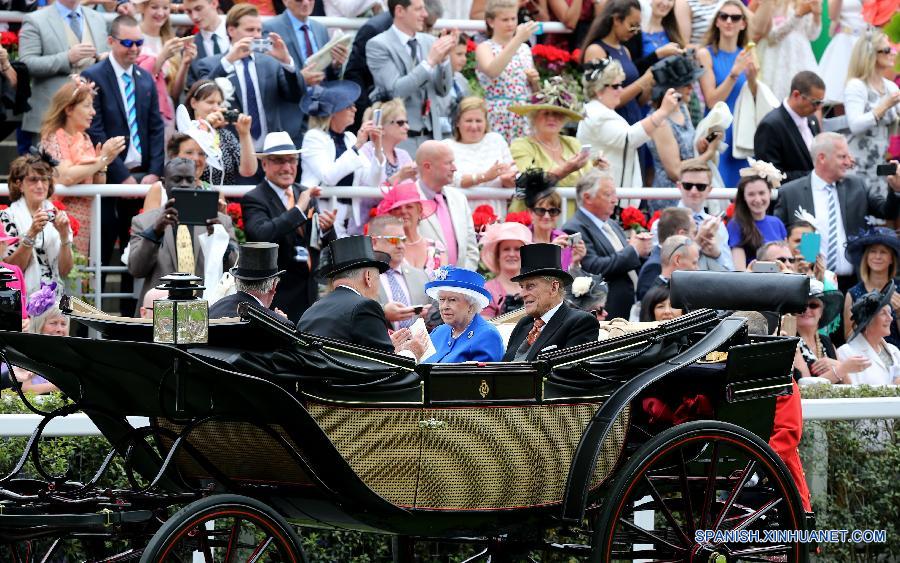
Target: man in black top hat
x=549, y=322
x=350, y=312
x=255, y=278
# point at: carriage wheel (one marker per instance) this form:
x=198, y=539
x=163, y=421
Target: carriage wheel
x=702, y=475
x=226, y=528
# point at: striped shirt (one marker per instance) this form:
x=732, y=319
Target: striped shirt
x=702, y=15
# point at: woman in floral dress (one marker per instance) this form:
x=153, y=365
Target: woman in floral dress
x=504, y=67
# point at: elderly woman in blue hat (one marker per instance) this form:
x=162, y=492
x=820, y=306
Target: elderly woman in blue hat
x=465, y=336
x=875, y=256
x=331, y=153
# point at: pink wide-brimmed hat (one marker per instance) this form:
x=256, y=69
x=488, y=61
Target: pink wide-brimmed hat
x=496, y=233
x=401, y=194
x=6, y=239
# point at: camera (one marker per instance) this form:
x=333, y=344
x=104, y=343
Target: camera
x=261, y=45
x=51, y=214
x=231, y=115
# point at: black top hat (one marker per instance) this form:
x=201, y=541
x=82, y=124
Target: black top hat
x=257, y=261
x=349, y=253
x=867, y=308
x=542, y=259
x=534, y=185
x=674, y=72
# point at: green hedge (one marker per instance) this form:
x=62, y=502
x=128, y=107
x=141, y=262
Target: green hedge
x=852, y=469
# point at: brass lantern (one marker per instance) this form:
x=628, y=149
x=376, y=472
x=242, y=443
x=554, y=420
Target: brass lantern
x=183, y=318
x=10, y=302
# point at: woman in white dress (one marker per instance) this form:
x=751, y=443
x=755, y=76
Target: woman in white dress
x=784, y=43
x=871, y=316
x=481, y=156
x=845, y=29
x=870, y=103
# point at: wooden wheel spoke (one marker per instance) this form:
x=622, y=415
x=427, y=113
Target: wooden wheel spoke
x=710, y=491
x=758, y=514
x=649, y=534
x=667, y=514
x=686, y=492
x=233, y=533
x=726, y=508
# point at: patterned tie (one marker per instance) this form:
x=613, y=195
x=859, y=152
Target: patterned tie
x=308, y=43
x=217, y=50
x=75, y=24
x=251, y=104
x=617, y=245
x=535, y=331
x=413, y=51
x=184, y=249
x=831, y=255
x=131, y=111
x=398, y=295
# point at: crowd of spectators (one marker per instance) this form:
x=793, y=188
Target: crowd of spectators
x=687, y=94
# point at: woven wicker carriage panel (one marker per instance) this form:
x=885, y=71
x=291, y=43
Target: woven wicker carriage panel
x=381, y=445
x=611, y=449
x=240, y=450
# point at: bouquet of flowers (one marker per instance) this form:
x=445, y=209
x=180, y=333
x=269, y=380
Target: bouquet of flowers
x=632, y=219
x=234, y=211
x=9, y=40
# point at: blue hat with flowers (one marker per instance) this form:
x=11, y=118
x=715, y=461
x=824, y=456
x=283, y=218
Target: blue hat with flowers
x=459, y=280
x=328, y=98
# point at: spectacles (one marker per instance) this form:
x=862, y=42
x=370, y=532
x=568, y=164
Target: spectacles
x=395, y=240
x=129, y=43
x=281, y=160
x=38, y=179
x=786, y=260
x=733, y=17
x=688, y=186
x=813, y=101
x=599, y=313
x=813, y=305
x=883, y=51
x=399, y=122
x=617, y=86
x=541, y=211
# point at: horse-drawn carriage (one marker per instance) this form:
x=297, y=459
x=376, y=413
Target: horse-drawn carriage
x=624, y=449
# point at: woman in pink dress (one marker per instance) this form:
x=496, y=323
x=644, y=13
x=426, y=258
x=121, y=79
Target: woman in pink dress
x=500, y=255
x=403, y=201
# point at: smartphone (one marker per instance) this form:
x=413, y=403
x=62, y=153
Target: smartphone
x=712, y=136
x=789, y=325
x=810, y=244
x=765, y=267
x=195, y=207
x=539, y=30
x=586, y=149
x=574, y=239
x=889, y=169
x=376, y=117
x=263, y=45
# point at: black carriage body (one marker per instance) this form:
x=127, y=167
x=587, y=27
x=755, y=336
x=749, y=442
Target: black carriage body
x=335, y=436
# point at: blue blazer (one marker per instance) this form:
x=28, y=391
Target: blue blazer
x=111, y=120
x=481, y=342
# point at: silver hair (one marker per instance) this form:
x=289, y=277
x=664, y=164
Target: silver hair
x=255, y=286
x=354, y=274
x=434, y=8
x=590, y=182
x=675, y=245
x=38, y=322
x=600, y=74
x=763, y=252
x=824, y=143
x=473, y=303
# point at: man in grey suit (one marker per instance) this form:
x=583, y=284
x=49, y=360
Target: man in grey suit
x=55, y=42
x=157, y=248
x=303, y=37
x=402, y=286
x=261, y=81
x=414, y=66
x=839, y=201
x=608, y=251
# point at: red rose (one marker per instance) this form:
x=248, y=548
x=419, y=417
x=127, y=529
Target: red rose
x=9, y=39
x=523, y=217
x=576, y=55
x=632, y=218
x=470, y=46
x=483, y=216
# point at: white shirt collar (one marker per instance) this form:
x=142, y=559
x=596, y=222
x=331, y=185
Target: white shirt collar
x=549, y=314
x=348, y=287
x=404, y=38
x=117, y=68
x=815, y=182
x=596, y=220
x=799, y=121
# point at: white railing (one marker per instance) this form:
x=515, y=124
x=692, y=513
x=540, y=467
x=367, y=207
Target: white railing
x=99, y=191
x=78, y=424
x=346, y=24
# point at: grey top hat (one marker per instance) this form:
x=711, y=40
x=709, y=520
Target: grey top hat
x=257, y=261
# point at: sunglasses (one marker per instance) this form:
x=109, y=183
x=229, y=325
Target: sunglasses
x=598, y=313
x=883, y=51
x=688, y=186
x=399, y=122
x=813, y=101
x=129, y=43
x=786, y=260
x=733, y=17
x=395, y=240
x=541, y=211
x=813, y=305
x=617, y=86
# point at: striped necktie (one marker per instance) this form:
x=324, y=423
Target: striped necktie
x=131, y=111
x=398, y=295
x=831, y=254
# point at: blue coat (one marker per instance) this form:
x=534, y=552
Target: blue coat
x=481, y=342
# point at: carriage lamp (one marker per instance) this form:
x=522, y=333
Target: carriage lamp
x=10, y=302
x=182, y=318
